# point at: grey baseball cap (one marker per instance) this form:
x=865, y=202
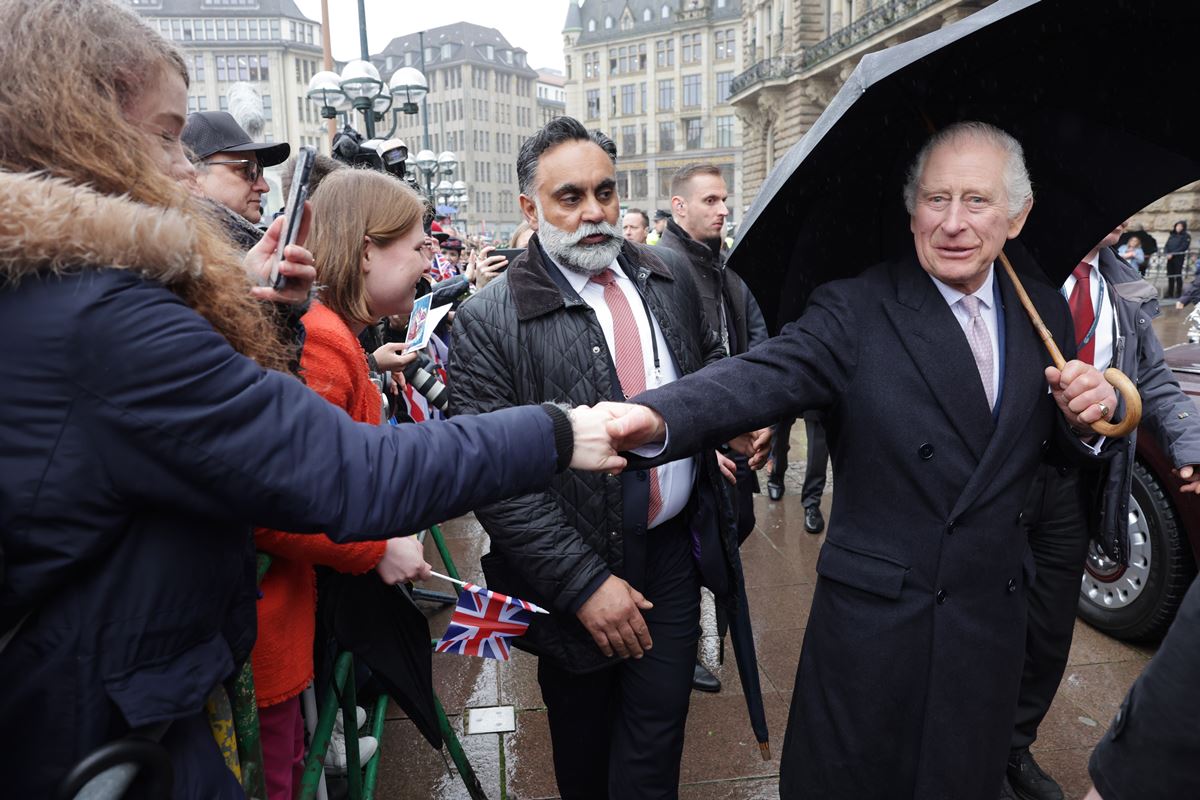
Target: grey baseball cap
x=209, y=132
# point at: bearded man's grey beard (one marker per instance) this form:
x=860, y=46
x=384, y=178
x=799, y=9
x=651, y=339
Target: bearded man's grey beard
x=586, y=259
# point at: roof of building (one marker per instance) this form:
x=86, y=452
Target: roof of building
x=553, y=77
x=595, y=13
x=224, y=8
x=471, y=41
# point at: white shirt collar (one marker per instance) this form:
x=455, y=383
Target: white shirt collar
x=578, y=280
x=984, y=292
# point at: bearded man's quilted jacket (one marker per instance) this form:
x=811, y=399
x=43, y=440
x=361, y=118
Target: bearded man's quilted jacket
x=529, y=338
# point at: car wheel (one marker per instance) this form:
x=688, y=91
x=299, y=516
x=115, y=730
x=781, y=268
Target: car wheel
x=1137, y=603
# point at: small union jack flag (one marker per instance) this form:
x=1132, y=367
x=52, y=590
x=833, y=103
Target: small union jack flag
x=483, y=622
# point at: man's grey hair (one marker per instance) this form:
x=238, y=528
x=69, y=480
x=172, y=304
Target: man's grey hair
x=1017, y=185
x=555, y=132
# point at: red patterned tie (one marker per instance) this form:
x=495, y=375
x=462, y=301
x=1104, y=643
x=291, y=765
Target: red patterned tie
x=1083, y=313
x=631, y=367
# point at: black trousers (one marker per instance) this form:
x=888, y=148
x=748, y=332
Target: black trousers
x=816, y=462
x=618, y=732
x=1175, y=275
x=1055, y=520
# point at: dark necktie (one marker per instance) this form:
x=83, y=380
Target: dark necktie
x=631, y=366
x=1083, y=313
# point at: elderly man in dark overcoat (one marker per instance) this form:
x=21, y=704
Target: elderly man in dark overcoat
x=937, y=410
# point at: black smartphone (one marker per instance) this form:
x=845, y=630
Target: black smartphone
x=293, y=212
x=509, y=253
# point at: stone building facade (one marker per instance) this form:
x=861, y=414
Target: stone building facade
x=482, y=105
x=800, y=52
x=269, y=44
x=655, y=76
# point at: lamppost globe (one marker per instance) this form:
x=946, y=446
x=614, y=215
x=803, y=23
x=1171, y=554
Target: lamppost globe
x=383, y=100
x=409, y=86
x=324, y=89
x=444, y=188
x=360, y=80
x=426, y=161
x=447, y=162
x=460, y=187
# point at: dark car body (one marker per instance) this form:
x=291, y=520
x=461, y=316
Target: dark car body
x=1137, y=602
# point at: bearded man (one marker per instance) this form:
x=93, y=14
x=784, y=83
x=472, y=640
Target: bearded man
x=584, y=316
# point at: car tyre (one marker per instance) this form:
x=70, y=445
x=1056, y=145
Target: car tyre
x=1138, y=604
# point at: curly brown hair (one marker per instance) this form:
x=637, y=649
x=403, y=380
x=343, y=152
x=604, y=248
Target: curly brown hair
x=73, y=67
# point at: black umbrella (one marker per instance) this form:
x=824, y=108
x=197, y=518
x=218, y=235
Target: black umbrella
x=741, y=635
x=1053, y=73
x=1149, y=243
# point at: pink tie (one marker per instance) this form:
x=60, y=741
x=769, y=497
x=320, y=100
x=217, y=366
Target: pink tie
x=981, y=346
x=631, y=367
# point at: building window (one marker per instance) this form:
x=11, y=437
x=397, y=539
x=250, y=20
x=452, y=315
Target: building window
x=719, y=45
x=666, y=11
x=628, y=140
x=266, y=101
x=725, y=131
x=727, y=174
x=666, y=95
x=694, y=130
x=664, y=52
x=591, y=26
x=691, y=91
x=608, y=23
x=629, y=99
x=447, y=50
x=666, y=137
x=612, y=101
x=638, y=184
x=691, y=48
x=642, y=93
x=723, y=81
x=198, y=69
x=593, y=103
x=223, y=103
x=664, y=182
x=646, y=15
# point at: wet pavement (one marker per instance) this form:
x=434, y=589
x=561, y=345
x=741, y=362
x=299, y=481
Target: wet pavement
x=721, y=759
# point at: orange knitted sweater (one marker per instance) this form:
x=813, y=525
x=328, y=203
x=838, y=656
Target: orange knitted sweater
x=336, y=368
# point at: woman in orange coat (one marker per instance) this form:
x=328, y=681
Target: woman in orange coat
x=366, y=238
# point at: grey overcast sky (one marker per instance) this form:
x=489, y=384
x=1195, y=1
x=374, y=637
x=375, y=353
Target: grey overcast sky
x=535, y=25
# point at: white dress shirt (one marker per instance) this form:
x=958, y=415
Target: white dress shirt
x=675, y=479
x=987, y=311
x=1106, y=318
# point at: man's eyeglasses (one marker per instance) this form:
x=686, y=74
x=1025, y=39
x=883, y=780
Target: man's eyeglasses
x=249, y=167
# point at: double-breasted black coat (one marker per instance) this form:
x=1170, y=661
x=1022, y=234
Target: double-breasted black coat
x=912, y=657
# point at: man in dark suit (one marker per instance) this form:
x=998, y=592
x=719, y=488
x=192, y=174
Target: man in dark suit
x=931, y=379
x=1111, y=306
x=584, y=316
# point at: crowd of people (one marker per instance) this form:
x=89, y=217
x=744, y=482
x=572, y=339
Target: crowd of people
x=612, y=391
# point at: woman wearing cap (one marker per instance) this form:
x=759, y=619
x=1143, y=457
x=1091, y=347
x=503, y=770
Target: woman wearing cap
x=145, y=423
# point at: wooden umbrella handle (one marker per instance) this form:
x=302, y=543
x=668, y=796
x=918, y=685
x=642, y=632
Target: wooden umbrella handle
x=1117, y=379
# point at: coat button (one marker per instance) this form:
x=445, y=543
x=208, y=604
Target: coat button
x=951, y=525
x=1012, y=585
x=641, y=474
x=941, y=596
x=925, y=451
x=612, y=534
x=596, y=349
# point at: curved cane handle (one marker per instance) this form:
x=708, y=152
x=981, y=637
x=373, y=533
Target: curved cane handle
x=1133, y=406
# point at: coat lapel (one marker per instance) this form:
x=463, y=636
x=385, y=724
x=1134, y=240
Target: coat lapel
x=928, y=330
x=1024, y=386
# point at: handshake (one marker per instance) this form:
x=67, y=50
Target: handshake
x=607, y=429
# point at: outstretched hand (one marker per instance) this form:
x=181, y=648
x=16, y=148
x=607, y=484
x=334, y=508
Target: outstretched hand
x=1082, y=394
x=594, y=449
x=297, y=266
x=632, y=426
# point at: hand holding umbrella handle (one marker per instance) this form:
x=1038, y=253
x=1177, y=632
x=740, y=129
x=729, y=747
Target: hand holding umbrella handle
x=1119, y=380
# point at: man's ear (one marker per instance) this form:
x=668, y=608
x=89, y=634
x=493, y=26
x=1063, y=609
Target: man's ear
x=529, y=210
x=1018, y=222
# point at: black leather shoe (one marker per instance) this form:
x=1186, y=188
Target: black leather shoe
x=1029, y=781
x=813, y=521
x=1006, y=790
x=705, y=681
x=775, y=490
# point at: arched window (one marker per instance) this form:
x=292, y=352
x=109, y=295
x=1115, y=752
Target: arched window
x=591, y=25
x=666, y=11
x=608, y=21
x=646, y=15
